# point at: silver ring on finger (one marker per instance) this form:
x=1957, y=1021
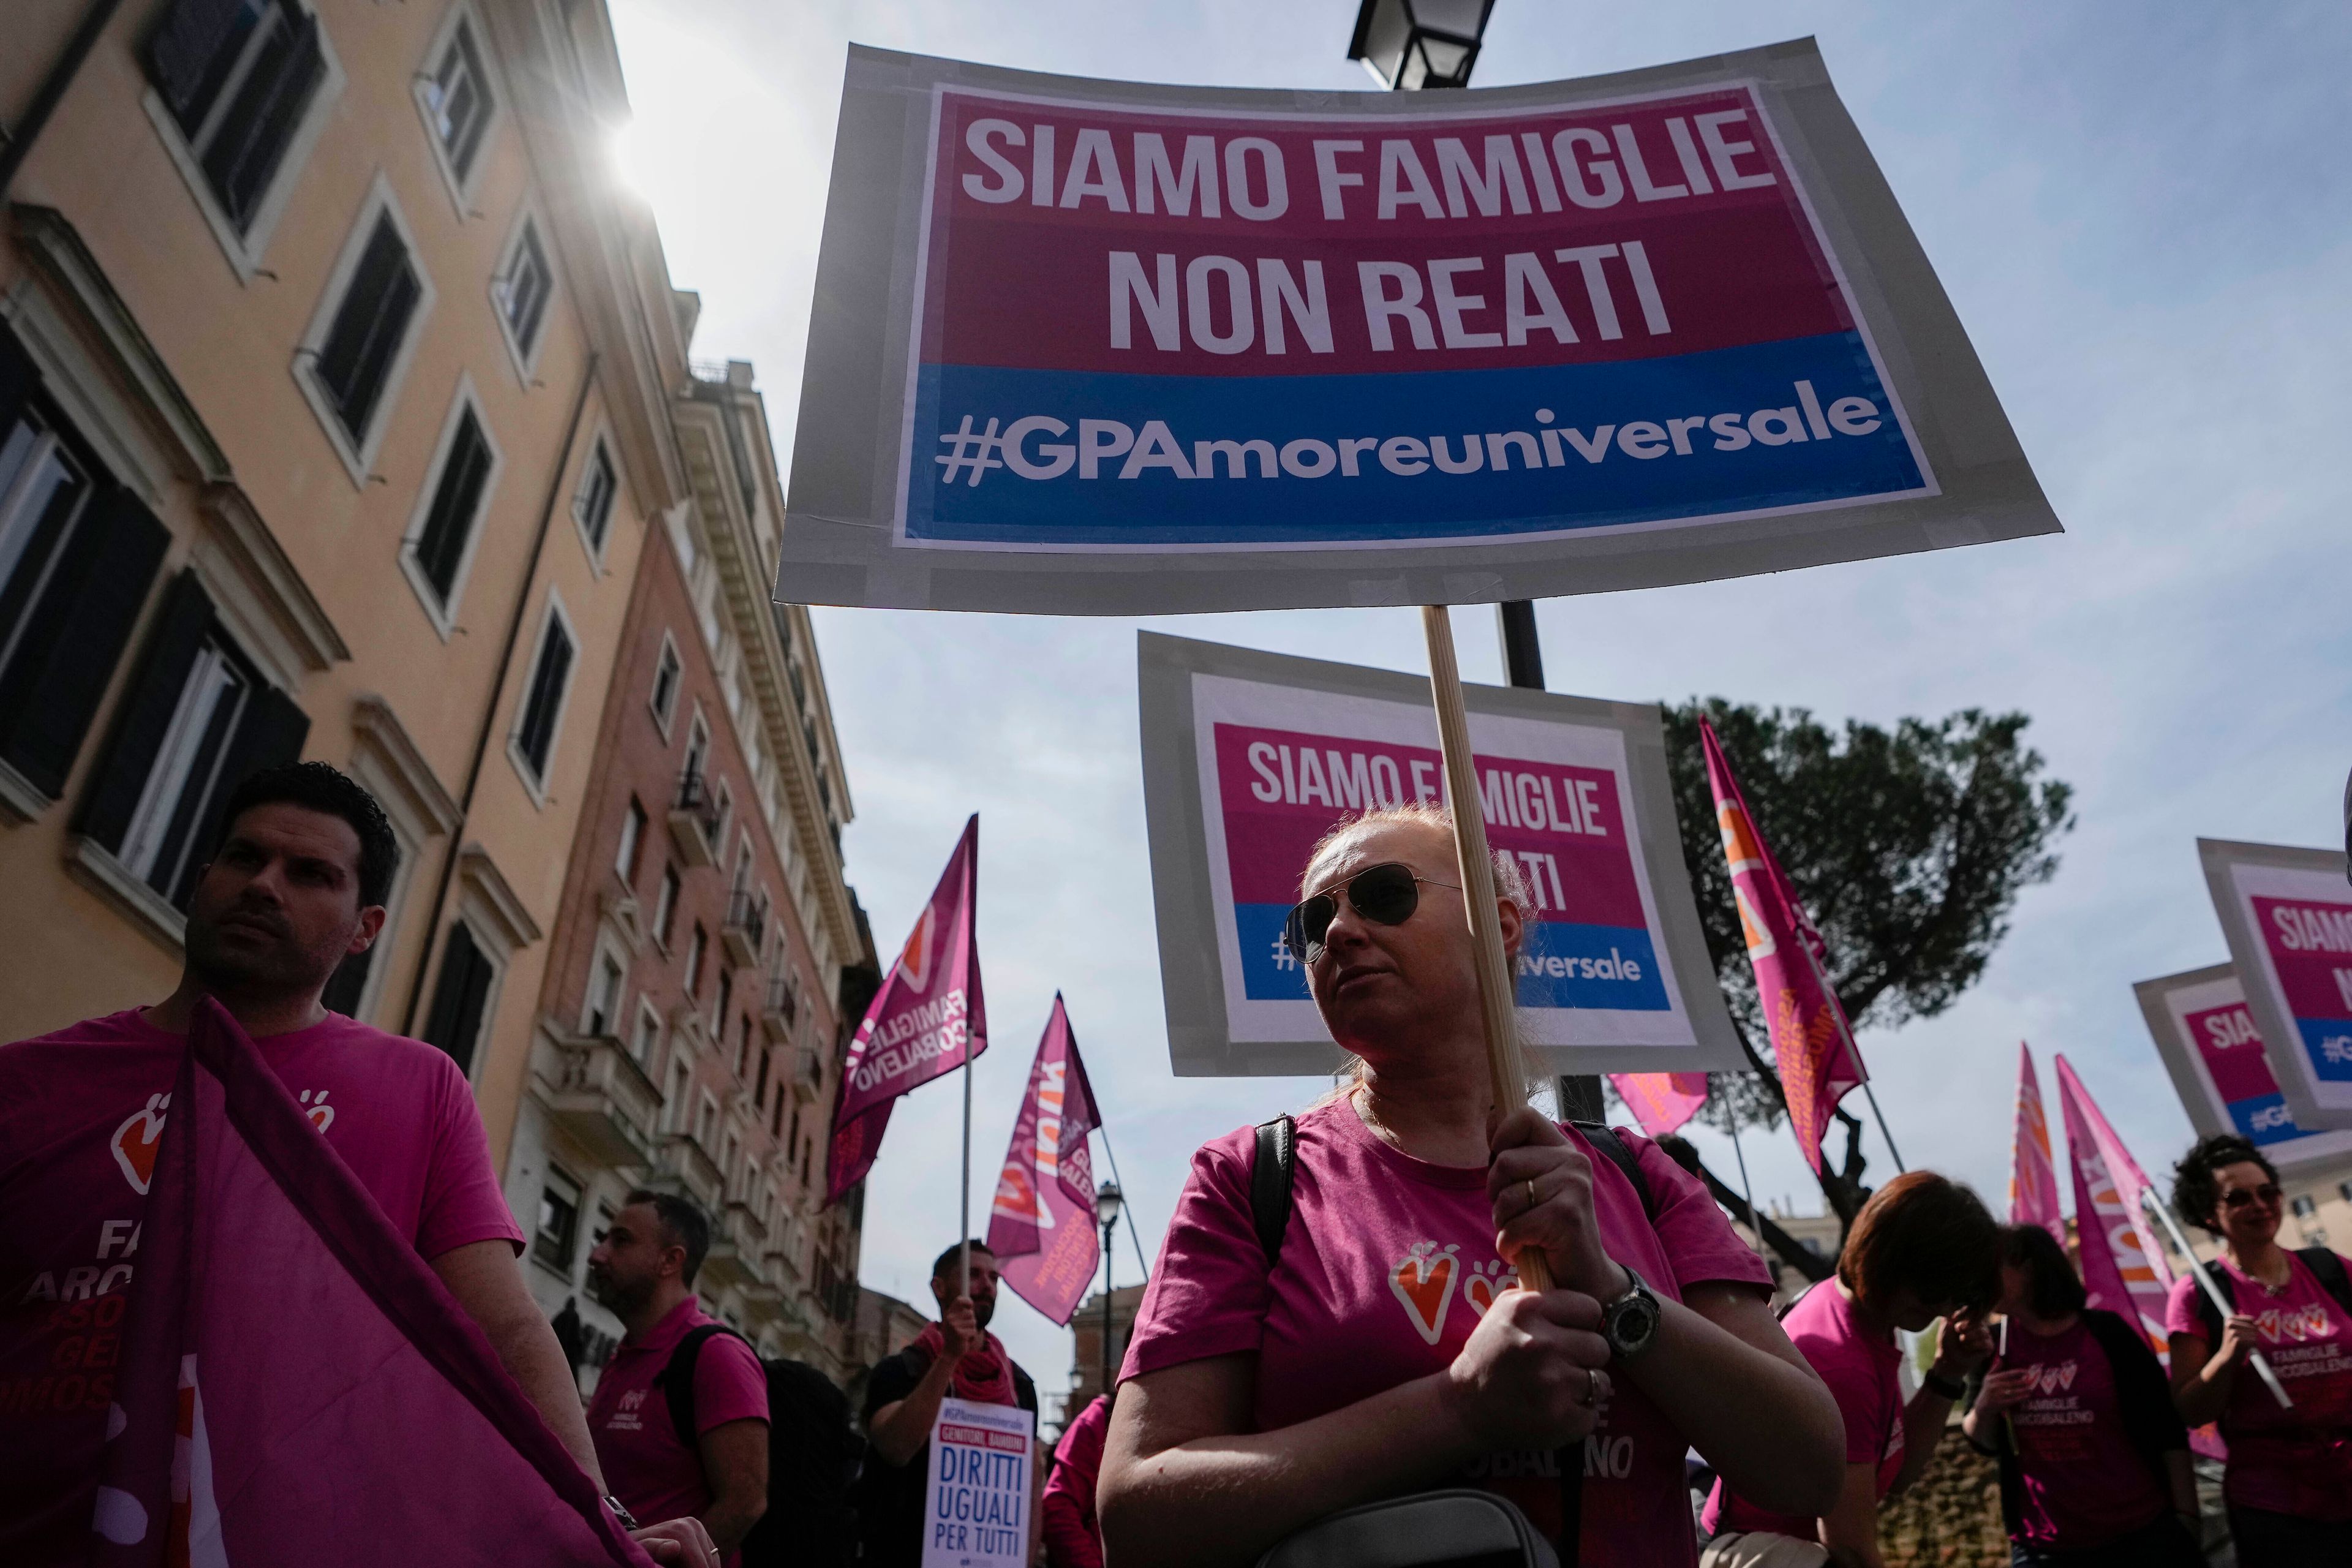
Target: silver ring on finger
x=1533, y=1201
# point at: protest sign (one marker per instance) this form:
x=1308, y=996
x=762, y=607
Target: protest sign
x=2206, y=1038
x=2287, y=915
x=1097, y=347
x=1249, y=757
x=976, y=1507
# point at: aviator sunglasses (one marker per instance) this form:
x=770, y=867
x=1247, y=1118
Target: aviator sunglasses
x=1385, y=895
x=2267, y=1192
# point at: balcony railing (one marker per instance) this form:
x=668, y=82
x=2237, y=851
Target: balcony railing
x=746, y=930
x=694, y=818
x=603, y=1097
x=684, y=1159
x=782, y=1008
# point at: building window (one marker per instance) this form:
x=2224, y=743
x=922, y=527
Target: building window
x=441, y=540
x=592, y=509
x=760, y=1094
x=648, y=1035
x=604, y=1009
x=456, y=97
x=237, y=79
x=198, y=719
x=665, y=906
x=371, y=325
x=462, y=997
x=695, y=947
x=2304, y=1204
x=719, y=1014
x=776, y=1112
x=632, y=837
x=542, y=709
x=706, y=1120
x=2343, y=1191
x=521, y=290
x=665, y=674
x=697, y=753
x=558, y=1221
x=674, y=1106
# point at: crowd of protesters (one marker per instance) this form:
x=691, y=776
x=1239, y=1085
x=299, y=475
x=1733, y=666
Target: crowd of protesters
x=1293, y=1357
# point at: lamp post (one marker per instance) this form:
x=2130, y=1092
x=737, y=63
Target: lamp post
x=1108, y=1201
x=1408, y=46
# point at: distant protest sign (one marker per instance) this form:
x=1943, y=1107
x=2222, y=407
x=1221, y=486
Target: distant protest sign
x=1248, y=758
x=1094, y=347
x=2287, y=914
x=2207, y=1036
x=976, y=1508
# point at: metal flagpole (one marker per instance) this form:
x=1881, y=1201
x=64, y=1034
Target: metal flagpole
x=1881, y=1115
x=964, y=1231
x=1755, y=1226
x=1115, y=1176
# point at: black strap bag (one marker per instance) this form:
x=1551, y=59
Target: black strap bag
x=1456, y=1528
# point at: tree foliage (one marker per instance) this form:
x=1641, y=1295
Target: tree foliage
x=1907, y=846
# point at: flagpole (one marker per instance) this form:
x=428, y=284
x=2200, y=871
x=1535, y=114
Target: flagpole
x=1755, y=1226
x=1881, y=1116
x=1506, y=1073
x=963, y=1230
x=1115, y=1176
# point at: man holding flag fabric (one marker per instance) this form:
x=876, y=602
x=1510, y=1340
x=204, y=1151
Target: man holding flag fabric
x=335, y=1398
x=1042, y=1224
x=1811, y=1043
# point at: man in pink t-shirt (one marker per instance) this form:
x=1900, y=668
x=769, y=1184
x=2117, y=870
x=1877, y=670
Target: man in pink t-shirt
x=644, y=1410
x=297, y=884
x=1073, y=1537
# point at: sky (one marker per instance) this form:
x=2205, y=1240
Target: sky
x=2143, y=217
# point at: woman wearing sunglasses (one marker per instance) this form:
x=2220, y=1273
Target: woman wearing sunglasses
x=2288, y=1485
x=1380, y=1349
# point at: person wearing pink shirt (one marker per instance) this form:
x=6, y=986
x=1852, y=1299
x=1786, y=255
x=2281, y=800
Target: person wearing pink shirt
x=1923, y=1248
x=1073, y=1538
x=681, y=1415
x=2288, y=1482
x=1380, y=1346
x=295, y=883
x=2094, y=1459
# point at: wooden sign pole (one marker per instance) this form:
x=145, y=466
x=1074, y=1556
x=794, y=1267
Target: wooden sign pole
x=1497, y=1003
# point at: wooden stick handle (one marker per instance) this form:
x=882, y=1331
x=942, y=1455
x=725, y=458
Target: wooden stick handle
x=1498, y=1003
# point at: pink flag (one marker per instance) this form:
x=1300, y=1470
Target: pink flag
x=1661, y=1101
x=1812, y=1045
x=925, y=1020
x=2123, y=1265
x=1042, y=1226
x=2032, y=1183
x=296, y=1385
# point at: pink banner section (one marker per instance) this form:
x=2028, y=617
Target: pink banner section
x=1661, y=1101
x=926, y=1019
x=1042, y=1224
x=1812, y=1045
x=2123, y=1265
x=2033, y=1180
x=295, y=1385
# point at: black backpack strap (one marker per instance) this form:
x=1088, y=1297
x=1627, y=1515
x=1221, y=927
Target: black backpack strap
x=2327, y=1267
x=676, y=1379
x=1603, y=1137
x=2209, y=1315
x=1270, y=1179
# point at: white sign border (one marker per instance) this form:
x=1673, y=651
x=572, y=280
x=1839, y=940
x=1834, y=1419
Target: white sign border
x=2235, y=874
x=2166, y=1002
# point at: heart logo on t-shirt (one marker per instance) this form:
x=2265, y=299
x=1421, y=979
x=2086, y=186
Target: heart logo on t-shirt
x=1424, y=1281
x=315, y=1106
x=137, y=1140
x=1485, y=1283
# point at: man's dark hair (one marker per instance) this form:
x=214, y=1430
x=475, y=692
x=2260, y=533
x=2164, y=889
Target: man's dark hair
x=322, y=787
x=2053, y=1287
x=2196, y=1181
x=1925, y=1232
x=948, y=1264
x=683, y=1225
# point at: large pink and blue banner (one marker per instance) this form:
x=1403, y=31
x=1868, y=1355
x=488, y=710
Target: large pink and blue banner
x=2213, y=1050
x=1090, y=347
x=2287, y=914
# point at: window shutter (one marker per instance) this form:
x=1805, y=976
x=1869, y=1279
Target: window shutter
x=254, y=135
x=449, y=523
x=270, y=731
x=369, y=324
x=145, y=712
x=192, y=47
x=458, y=997
x=75, y=635
x=19, y=379
x=348, y=983
x=546, y=682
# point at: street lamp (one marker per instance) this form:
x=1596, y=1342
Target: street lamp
x=1414, y=43
x=1108, y=1201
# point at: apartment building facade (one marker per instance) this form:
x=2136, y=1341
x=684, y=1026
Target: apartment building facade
x=335, y=381
x=710, y=953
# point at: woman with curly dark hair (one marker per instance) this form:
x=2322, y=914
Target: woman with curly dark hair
x=2094, y=1459
x=2289, y=1482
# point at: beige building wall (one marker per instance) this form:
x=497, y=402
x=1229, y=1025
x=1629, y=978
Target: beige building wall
x=179, y=333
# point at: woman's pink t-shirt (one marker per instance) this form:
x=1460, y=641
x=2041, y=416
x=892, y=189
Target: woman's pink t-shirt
x=1861, y=1369
x=2083, y=1484
x=2296, y=1461
x=1388, y=1264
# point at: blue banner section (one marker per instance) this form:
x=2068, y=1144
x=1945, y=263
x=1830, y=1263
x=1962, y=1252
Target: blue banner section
x=1003, y=456
x=2264, y=1119
x=1607, y=967
x=2327, y=1042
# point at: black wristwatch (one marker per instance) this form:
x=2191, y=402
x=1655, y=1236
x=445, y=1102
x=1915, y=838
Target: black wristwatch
x=1630, y=1323
x=1937, y=1383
